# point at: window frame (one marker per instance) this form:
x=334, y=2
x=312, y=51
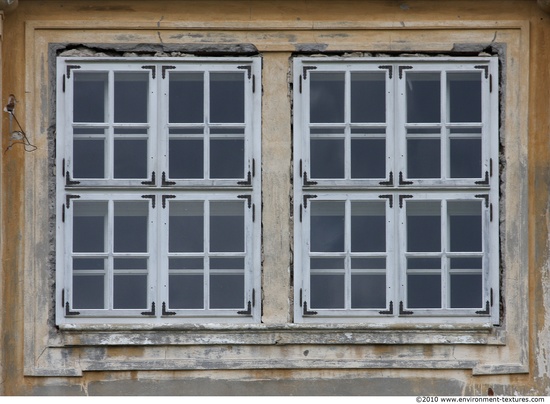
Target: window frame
x=396, y=188
x=158, y=189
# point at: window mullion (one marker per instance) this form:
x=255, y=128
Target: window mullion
x=206, y=136
x=347, y=250
x=109, y=282
x=347, y=127
x=110, y=137
x=206, y=249
x=445, y=246
x=444, y=136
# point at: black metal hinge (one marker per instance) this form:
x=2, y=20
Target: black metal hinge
x=167, y=313
x=487, y=309
x=308, y=312
x=69, y=312
x=388, y=196
x=388, y=182
x=165, y=182
x=389, y=311
x=164, y=68
x=164, y=198
x=248, y=310
x=153, y=198
x=71, y=67
x=389, y=68
x=248, y=180
x=401, y=197
x=402, y=181
x=63, y=213
x=307, y=181
x=248, y=198
x=150, y=312
x=483, y=67
x=63, y=83
x=485, y=197
x=402, y=311
x=152, y=68
x=152, y=181
x=69, y=181
x=68, y=198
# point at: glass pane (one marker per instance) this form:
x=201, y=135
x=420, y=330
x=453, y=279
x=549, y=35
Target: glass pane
x=466, y=263
x=131, y=97
x=368, y=226
x=423, y=158
x=327, y=158
x=368, y=97
x=465, y=226
x=186, y=291
x=227, y=226
x=186, y=98
x=89, y=226
x=130, y=158
x=368, y=263
x=88, y=158
x=465, y=158
x=186, y=158
x=130, y=291
x=368, y=291
x=423, y=97
x=130, y=263
x=130, y=227
x=186, y=227
x=88, y=264
x=227, y=158
x=88, y=292
x=185, y=263
x=326, y=263
x=327, y=291
x=227, y=291
x=464, y=97
x=227, y=264
x=327, y=226
x=466, y=291
x=227, y=97
x=424, y=291
x=368, y=158
x=423, y=226
x=327, y=97
x=423, y=263
x=90, y=97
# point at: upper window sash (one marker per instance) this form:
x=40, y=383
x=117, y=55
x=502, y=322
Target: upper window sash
x=160, y=122
x=400, y=138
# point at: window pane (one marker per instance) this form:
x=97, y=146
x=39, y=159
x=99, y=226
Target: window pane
x=130, y=291
x=88, y=292
x=227, y=264
x=227, y=158
x=186, y=227
x=131, y=93
x=327, y=97
x=368, y=97
x=186, y=291
x=368, y=263
x=424, y=263
x=227, y=97
x=186, y=102
x=186, y=158
x=465, y=158
x=424, y=291
x=87, y=264
x=423, y=158
x=227, y=226
x=368, y=291
x=185, y=263
x=90, y=97
x=89, y=226
x=464, y=97
x=466, y=291
x=327, y=291
x=130, y=228
x=130, y=158
x=466, y=263
x=327, y=226
x=368, y=226
x=130, y=263
x=423, y=226
x=88, y=158
x=327, y=158
x=227, y=291
x=423, y=97
x=368, y=158
x=465, y=226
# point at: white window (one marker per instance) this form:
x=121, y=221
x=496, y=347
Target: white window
x=396, y=190
x=158, y=198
